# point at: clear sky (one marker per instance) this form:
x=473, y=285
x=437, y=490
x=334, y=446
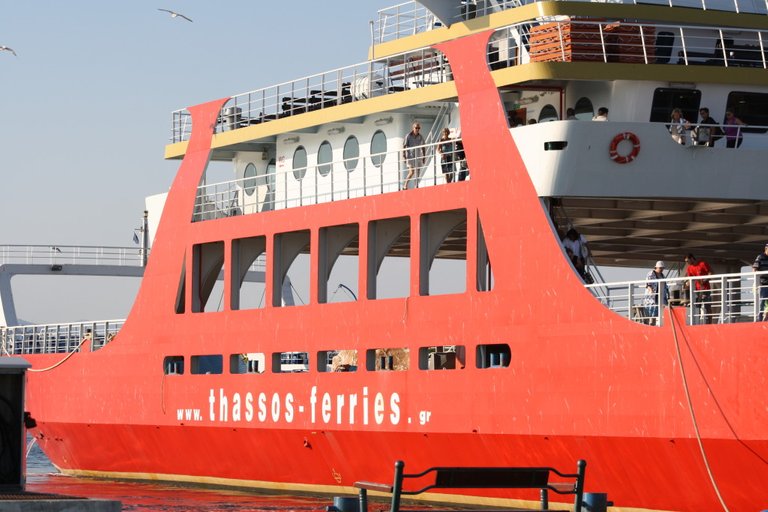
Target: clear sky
x=86, y=106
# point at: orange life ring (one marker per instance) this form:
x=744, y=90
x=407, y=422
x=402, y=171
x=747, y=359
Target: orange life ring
x=623, y=159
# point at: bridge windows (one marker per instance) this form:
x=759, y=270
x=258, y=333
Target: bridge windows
x=665, y=99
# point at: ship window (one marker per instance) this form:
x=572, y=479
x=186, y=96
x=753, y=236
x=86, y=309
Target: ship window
x=207, y=285
x=290, y=278
x=338, y=264
x=381, y=359
x=173, y=365
x=337, y=361
x=299, y=163
x=324, y=158
x=389, y=256
x=484, y=277
x=249, y=179
x=752, y=108
x=584, y=109
x=207, y=364
x=378, y=148
x=249, y=261
x=351, y=153
x=442, y=357
x=548, y=113
x=249, y=362
x=290, y=362
x=443, y=262
x=666, y=99
x=493, y=356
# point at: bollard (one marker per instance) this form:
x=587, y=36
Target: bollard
x=596, y=501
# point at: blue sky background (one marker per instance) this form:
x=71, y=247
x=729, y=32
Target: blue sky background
x=86, y=106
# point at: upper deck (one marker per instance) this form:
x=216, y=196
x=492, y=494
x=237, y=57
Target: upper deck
x=533, y=43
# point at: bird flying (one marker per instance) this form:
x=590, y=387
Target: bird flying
x=4, y=48
x=174, y=14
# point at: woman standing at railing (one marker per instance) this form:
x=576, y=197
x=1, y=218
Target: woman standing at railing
x=732, y=129
x=446, y=149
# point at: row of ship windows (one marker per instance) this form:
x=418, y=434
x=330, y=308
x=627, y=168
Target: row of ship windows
x=440, y=357
x=351, y=155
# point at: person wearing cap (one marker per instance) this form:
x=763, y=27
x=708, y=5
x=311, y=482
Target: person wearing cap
x=653, y=292
x=760, y=264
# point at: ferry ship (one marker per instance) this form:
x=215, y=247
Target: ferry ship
x=439, y=319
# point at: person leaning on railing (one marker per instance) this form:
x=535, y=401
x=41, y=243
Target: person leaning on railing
x=732, y=129
x=760, y=264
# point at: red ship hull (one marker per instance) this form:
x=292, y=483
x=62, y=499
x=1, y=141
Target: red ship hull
x=668, y=418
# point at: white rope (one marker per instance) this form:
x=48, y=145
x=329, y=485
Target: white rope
x=87, y=338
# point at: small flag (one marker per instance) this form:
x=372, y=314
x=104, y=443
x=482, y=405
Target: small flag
x=135, y=238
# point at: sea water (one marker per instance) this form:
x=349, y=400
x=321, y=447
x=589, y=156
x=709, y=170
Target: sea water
x=149, y=496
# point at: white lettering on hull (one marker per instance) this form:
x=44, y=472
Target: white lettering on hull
x=320, y=408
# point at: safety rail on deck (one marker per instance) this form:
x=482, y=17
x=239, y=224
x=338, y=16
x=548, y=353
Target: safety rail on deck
x=730, y=298
x=71, y=255
x=57, y=338
x=329, y=89
x=379, y=174
x=568, y=40
x=409, y=18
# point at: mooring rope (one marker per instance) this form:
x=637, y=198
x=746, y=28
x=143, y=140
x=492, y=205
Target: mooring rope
x=693, y=414
x=86, y=338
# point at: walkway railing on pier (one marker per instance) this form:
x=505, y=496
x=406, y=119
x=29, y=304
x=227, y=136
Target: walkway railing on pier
x=70, y=255
x=57, y=338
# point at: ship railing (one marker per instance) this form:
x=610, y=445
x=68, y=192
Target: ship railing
x=339, y=86
x=362, y=176
x=580, y=40
x=70, y=254
x=409, y=18
x=556, y=40
x=730, y=298
x=57, y=338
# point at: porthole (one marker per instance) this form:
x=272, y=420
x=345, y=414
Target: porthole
x=299, y=163
x=378, y=148
x=548, y=113
x=249, y=179
x=584, y=109
x=351, y=153
x=263, y=177
x=324, y=157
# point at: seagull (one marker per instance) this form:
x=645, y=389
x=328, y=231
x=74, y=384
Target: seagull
x=175, y=14
x=4, y=48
